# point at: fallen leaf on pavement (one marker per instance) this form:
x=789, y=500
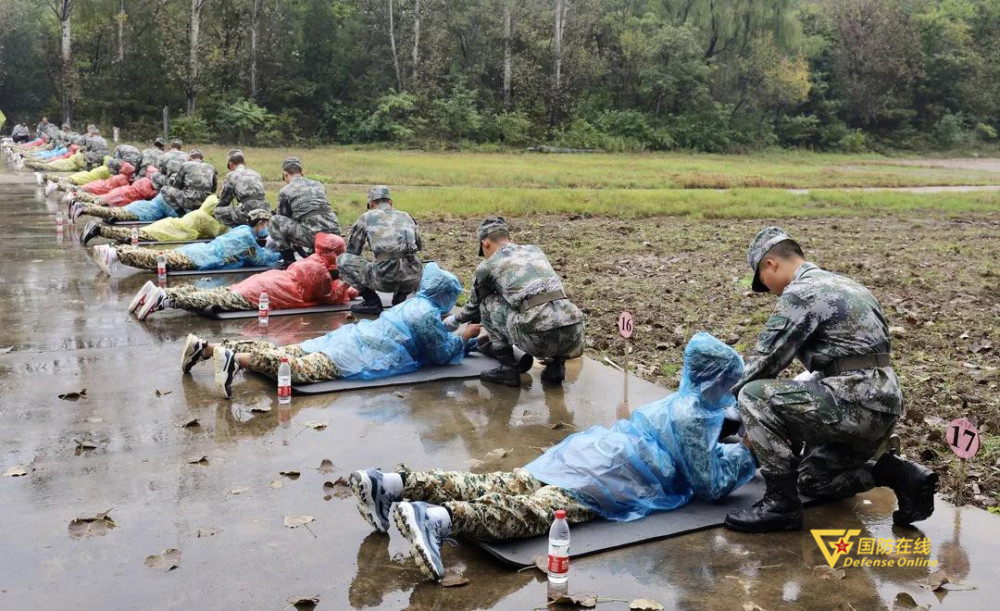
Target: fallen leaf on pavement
x=292, y=475
x=453, y=578
x=236, y=491
x=198, y=460
x=325, y=466
x=399, y=394
x=905, y=602
x=497, y=454
x=824, y=571
x=6, y=350
x=161, y=393
x=190, y=424
x=164, y=561
x=276, y=483
x=73, y=396
x=644, y=604
x=83, y=446
x=303, y=603
x=340, y=488
x=935, y=580
x=296, y=521
x=207, y=532
x=316, y=425
x=15, y=471
x=582, y=601
x=92, y=526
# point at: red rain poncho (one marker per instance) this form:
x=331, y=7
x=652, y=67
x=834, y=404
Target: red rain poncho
x=121, y=179
x=140, y=189
x=305, y=283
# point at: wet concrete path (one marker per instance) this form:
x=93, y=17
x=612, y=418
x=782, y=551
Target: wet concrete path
x=68, y=329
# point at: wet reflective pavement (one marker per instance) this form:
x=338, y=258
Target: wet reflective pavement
x=69, y=331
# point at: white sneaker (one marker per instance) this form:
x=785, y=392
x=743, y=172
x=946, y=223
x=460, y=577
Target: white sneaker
x=39, y=179
x=194, y=351
x=140, y=297
x=50, y=187
x=106, y=258
x=152, y=303
x=225, y=370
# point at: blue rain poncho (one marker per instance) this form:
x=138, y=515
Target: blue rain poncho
x=665, y=452
x=403, y=339
x=237, y=247
x=56, y=152
x=149, y=210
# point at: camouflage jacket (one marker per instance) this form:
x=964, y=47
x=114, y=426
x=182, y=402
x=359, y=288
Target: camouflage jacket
x=304, y=197
x=819, y=318
x=127, y=152
x=387, y=231
x=171, y=162
x=243, y=184
x=517, y=273
x=150, y=157
x=196, y=180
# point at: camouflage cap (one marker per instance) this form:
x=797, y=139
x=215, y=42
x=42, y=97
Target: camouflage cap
x=176, y=143
x=158, y=142
x=196, y=153
x=489, y=226
x=292, y=165
x=258, y=214
x=378, y=192
x=765, y=240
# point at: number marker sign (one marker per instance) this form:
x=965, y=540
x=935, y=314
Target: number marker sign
x=962, y=438
x=625, y=324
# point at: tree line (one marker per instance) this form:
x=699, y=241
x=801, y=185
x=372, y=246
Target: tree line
x=707, y=75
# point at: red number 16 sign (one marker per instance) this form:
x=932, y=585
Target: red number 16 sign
x=963, y=438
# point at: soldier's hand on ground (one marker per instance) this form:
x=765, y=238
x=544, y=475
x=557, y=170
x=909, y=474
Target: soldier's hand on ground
x=450, y=323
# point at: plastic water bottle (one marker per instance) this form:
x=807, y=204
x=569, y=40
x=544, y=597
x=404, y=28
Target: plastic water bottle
x=161, y=269
x=559, y=549
x=135, y=236
x=263, y=308
x=59, y=222
x=284, y=382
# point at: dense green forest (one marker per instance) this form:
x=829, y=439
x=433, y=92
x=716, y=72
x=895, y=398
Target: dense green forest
x=708, y=75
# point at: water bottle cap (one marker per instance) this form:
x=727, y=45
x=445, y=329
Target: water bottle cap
x=560, y=514
x=284, y=359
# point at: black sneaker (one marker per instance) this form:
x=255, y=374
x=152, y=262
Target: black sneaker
x=90, y=231
x=194, y=352
x=225, y=370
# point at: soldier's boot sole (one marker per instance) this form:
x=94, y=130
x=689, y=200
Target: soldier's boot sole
x=755, y=520
x=507, y=376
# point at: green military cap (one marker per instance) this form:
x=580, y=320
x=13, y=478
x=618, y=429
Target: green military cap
x=377, y=193
x=489, y=226
x=765, y=241
x=196, y=153
x=258, y=214
x=291, y=165
x=158, y=142
x=177, y=143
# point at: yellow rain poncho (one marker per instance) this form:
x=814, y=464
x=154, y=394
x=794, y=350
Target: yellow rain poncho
x=195, y=225
x=74, y=163
x=101, y=172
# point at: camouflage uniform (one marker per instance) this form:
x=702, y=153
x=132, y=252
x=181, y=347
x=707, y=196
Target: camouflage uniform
x=171, y=162
x=145, y=258
x=195, y=181
x=97, y=149
x=503, y=291
x=265, y=358
x=218, y=299
x=128, y=153
x=394, y=240
x=124, y=234
x=303, y=211
x=502, y=505
x=842, y=417
x=247, y=187
x=108, y=212
x=150, y=157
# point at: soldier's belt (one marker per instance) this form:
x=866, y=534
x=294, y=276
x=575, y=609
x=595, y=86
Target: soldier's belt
x=389, y=256
x=851, y=363
x=309, y=215
x=540, y=299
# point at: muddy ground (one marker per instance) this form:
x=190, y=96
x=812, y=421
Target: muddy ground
x=937, y=278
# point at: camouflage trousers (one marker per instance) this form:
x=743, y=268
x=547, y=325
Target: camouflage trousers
x=265, y=358
x=238, y=213
x=839, y=440
x=218, y=299
x=123, y=235
x=390, y=276
x=286, y=233
x=107, y=212
x=145, y=258
x=502, y=325
x=501, y=505
x=90, y=198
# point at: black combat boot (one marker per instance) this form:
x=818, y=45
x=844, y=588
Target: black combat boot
x=486, y=349
x=372, y=303
x=399, y=297
x=555, y=371
x=913, y=484
x=780, y=509
x=507, y=373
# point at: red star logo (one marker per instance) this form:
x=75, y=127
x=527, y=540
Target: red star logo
x=841, y=546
